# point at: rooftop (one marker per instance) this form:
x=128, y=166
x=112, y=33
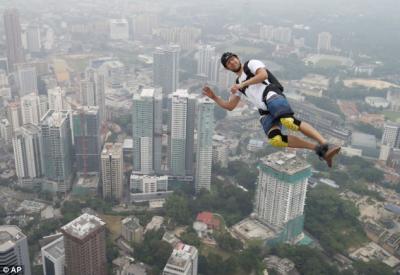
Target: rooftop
x=155, y=223
x=135, y=176
x=128, y=144
x=147, y=92
x=218, y=138
x=131, y=223
x=181, y=255
x=256, y=142
x=83, y=226
x=285, y=163
x=251, y=229
x=283, y=263
x=393, y=208
x=9, y=236
x=208, y=218
x=119, y=21
x=55, y=248
x=89, y=181
x=90, y=110
x=376, y=99
x=112, y=149
x=204, y=100
x=364, y=140
x=182, y=93
x=30, y=128
x=54, y=119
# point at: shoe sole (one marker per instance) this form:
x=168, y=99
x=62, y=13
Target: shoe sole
x=329, y=156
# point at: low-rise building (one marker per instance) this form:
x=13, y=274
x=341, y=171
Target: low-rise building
x=131, y=230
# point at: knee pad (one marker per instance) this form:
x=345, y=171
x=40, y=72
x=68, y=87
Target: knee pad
x=277, y=139
x=291, y=123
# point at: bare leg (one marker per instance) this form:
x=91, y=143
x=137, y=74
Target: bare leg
x=296, y=142
x=310, y=132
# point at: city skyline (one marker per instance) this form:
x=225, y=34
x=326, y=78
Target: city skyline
x=112, y=160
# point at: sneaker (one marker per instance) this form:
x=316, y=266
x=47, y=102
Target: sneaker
x=327, y=152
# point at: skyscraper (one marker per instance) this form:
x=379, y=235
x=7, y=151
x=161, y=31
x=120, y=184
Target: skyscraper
x=6, y=131
x=43, y=105
x=94, y=95
x=204, y=55
x=225, y=78
x=56, y=97
x=391, y=135
x=4, y=64
x=166, y=68
x=324, y=41
x=183, y=261
x=282, y=34
x=86, y=131
x=53, y=257
x=215, y=65
x=112, y=171
x=26, y=144
x=390, y=140
x=14, y=115
x=205, y=132
x=281, y=192
x=147, y=131
x=5, y=89
x=114, y=73
x=143, y=25
x=15, y=52
x=14, y=248
x=27, y=79
x=185, y=37
x=57, y=150
x=30, y=109
x=33, y=39
x=87, y=93
x=267, y=32
x=119, y=29
x=181, y=106
x=85, y=246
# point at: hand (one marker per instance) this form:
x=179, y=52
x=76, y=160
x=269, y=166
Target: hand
x=208, y=92
x=235, y=88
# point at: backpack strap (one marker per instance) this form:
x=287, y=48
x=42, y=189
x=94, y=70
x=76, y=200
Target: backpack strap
x=248, y=72
x=243, y=90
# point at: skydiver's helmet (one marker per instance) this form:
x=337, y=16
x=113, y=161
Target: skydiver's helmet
x=225, y=57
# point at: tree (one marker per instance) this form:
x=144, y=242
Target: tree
x=227, y=242
x=153, y=250
x=332, y=220
x=250, y=259
x=372, y=268
x=243, y=173
x=307, y=260
x=111, y=252
x=190, y=238
x=213, y=264
x=177, y=208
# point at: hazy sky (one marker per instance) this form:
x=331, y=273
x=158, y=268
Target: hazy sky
x=357, y=22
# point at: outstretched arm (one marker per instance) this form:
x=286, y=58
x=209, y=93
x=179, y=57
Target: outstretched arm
x=228, y=105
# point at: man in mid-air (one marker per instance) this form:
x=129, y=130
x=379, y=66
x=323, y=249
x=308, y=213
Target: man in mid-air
x=264, y=91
